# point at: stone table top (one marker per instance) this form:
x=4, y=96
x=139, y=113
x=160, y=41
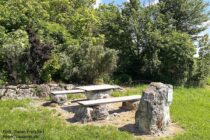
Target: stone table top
x=98, y=87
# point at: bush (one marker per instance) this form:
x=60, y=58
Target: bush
x=50, y=69
x=13, y=52
x=88, y=63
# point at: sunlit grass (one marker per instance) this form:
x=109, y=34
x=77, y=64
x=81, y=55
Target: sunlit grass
x=135, y=90
x=75, y=96
x=52, y=127
x=191, y=109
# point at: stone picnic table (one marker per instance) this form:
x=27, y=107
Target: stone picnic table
x=92, y=92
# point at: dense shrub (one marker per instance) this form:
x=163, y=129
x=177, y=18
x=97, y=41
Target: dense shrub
x=87, y=64
x=13, y=56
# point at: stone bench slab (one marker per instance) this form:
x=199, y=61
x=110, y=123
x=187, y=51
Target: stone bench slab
x=98, y=87
x=67, y=92
x=109, y=100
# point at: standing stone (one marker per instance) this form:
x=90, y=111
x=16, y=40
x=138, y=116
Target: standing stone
x=152, y=116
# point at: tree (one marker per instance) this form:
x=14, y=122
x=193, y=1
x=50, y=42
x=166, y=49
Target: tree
x=53, y=29
x=185, y=15
x=154, y=43
x=201, y=71
x=13, y=52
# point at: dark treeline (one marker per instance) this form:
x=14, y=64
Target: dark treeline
x=71, y=41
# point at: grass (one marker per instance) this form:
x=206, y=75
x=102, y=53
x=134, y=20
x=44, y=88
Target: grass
x=40, y=119
x=190, y=109
x=208, y=81
x=135, y=90
x=75, y=96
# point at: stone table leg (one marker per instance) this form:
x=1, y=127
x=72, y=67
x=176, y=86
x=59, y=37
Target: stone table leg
x=100, y=112
x=98, y=94
x=87, y=114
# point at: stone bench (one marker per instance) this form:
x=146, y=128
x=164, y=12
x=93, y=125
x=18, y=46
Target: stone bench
x=61, y=96
x=98, y=110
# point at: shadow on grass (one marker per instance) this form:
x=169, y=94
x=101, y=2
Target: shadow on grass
x=72, y=109
x=47, y=103
x=131, y=128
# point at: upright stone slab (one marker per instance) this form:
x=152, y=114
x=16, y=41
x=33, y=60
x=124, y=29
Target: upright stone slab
x=152, y=116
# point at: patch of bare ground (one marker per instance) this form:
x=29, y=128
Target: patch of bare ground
x=123, y=119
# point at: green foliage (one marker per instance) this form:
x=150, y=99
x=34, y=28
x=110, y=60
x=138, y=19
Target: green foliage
x=136, y=43
x=50, y=68
x=176, y=58
x=208, y=81
x=70, y=26
x=87, y=63
x=185, y=15
x=202, y=64
x=3, y=78
x=13, y=52
x=156, y=42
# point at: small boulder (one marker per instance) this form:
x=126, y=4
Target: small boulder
x=100, y=112
x=42, y=90
x=84, y=114
x=60, y=99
